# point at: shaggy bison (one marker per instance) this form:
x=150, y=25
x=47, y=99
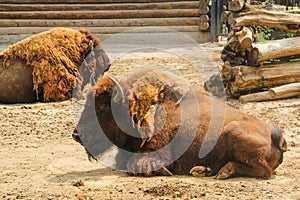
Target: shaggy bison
x=49, y=65
x=152, y=117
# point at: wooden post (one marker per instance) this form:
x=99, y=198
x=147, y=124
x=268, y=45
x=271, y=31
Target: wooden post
x=213, y=21
x=220, y=4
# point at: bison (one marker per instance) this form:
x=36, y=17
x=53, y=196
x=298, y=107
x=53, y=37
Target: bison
x=48, y=66
x=161, y=126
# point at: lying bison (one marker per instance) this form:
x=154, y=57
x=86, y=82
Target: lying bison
x=49, y=65
x=145, y=118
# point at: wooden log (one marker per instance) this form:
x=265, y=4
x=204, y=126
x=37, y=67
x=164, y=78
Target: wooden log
x=265, y=96
x=203, y=7
x=274, y=49
x=118, y=14
x=280, y=20
x=245, y=38
x=100, y=22
x=236, y=5
x=204, y=26
x=204, y=18
x=246, y=78
x=98, y=6
x=285, y=89
x=204, y=22
x=204, y=10
x=101, y=30
x=83, y=2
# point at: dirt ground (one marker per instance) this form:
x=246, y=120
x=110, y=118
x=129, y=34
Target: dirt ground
x=40, y=160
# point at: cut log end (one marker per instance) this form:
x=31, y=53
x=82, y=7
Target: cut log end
x=236, y=5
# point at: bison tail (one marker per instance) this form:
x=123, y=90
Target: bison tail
x=278, y=139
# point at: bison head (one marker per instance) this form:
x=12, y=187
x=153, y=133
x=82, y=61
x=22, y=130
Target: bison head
x=97, y=129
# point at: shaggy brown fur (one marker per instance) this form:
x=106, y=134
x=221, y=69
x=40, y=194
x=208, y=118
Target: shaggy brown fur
x=44, y=66
x=247, y=146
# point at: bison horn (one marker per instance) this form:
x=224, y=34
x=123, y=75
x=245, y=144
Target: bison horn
x=92, y=79
x=117, y=98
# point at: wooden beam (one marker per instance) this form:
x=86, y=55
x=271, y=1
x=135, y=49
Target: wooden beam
x=101, y=30
x=100, y=14
x=100, y=22
x=83, y=2
x=108, y=6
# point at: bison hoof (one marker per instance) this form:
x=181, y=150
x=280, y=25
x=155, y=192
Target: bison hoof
x=200, y=171
x=147, y=166
x=225, y=172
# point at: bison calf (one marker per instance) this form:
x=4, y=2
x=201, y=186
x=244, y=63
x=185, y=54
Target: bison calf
x=145, y=117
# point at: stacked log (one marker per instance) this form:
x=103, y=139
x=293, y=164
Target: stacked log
x=204, y=19
x=241, y=80
x=101, y=17
x=253, y=67
x=262, y=69
x=238, y=14
x=240, y=49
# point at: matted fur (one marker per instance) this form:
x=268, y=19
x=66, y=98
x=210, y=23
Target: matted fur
x=55, y=57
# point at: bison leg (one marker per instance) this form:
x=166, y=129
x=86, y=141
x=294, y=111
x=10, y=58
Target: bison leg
x=200, y=171
x=259, y=169
x=147, y=165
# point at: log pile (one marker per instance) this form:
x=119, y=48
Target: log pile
x=259, y=71
x=254, y=67
x=237, y=14
x=240, y=49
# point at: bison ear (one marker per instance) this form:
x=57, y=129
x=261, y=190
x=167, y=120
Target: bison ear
x=119, y=90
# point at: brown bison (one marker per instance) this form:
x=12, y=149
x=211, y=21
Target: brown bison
x=153, y=119
x=49, y=65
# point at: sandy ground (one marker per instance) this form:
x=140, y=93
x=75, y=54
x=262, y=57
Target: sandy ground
x=40, y=160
